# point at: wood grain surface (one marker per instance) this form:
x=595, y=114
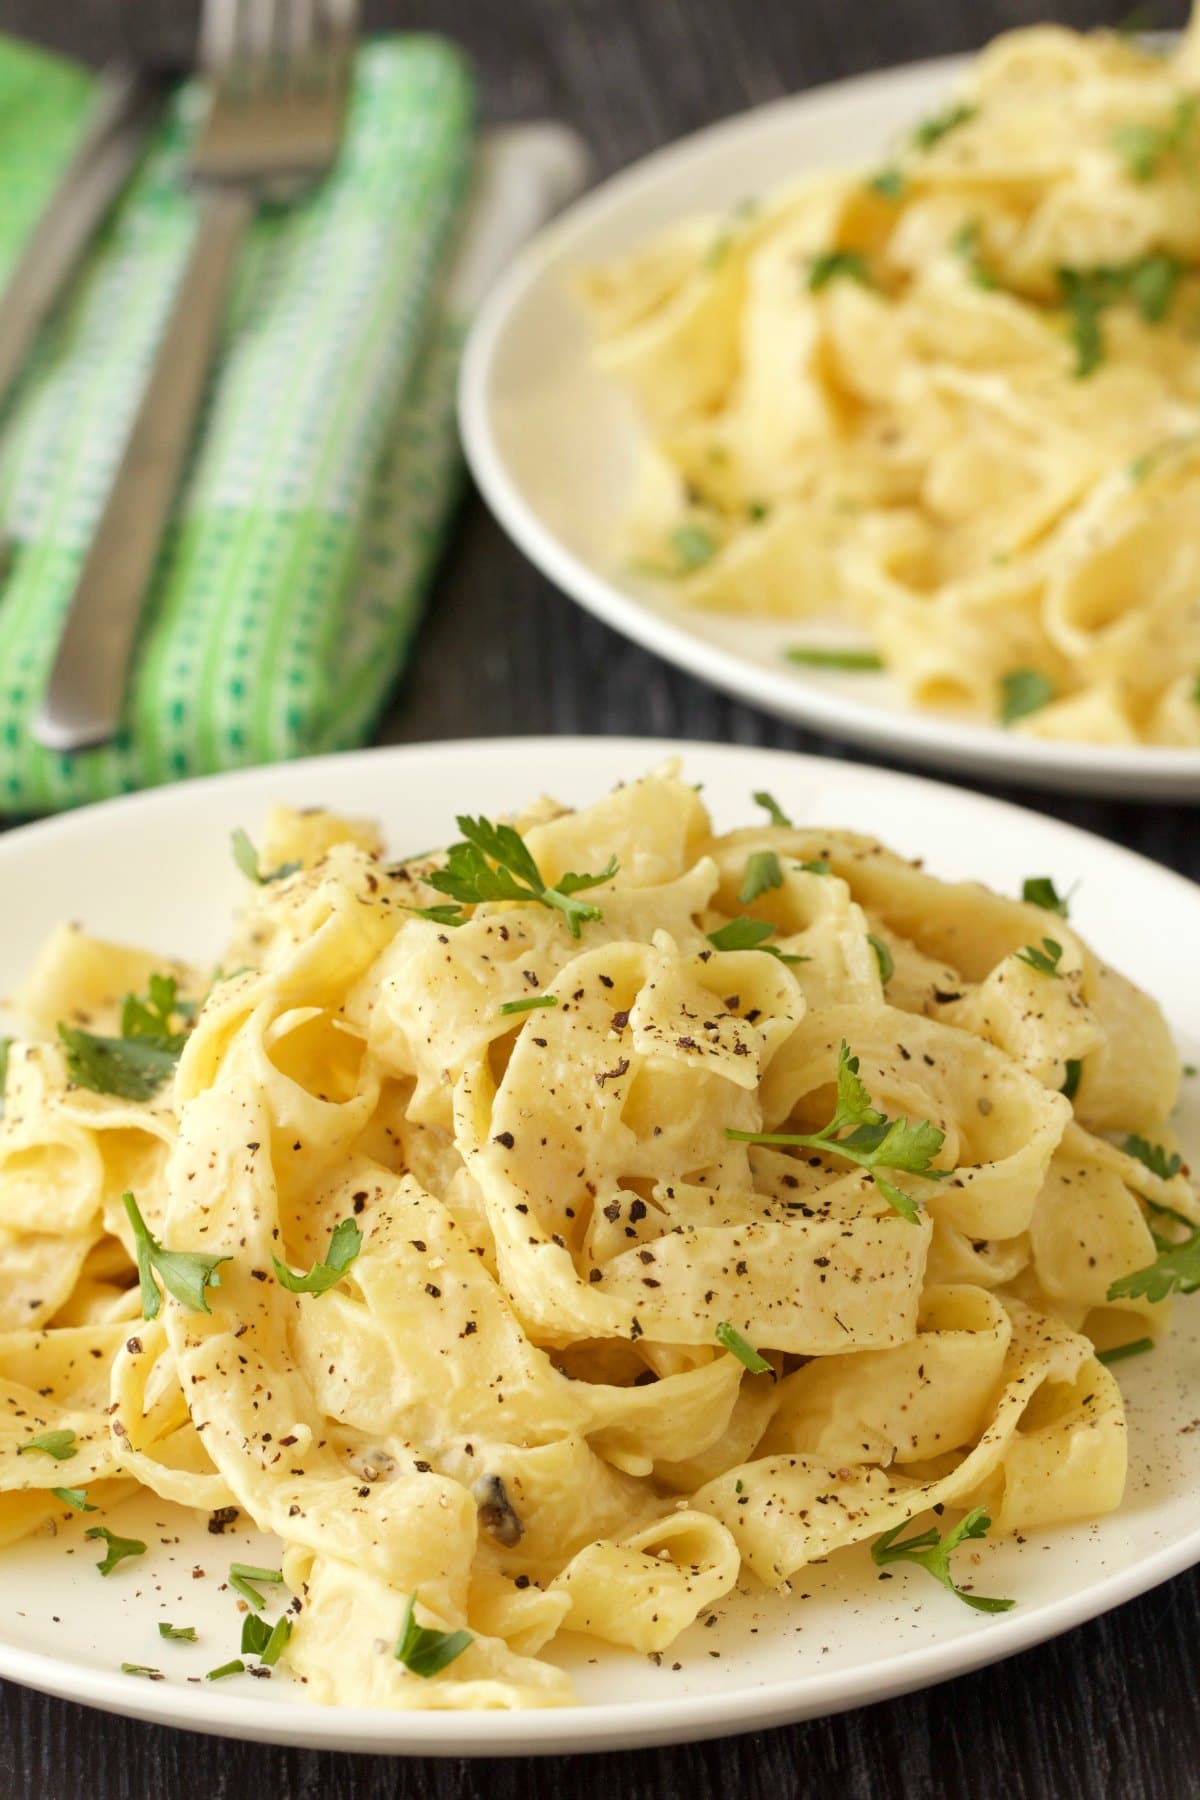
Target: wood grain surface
x=1109, y=1710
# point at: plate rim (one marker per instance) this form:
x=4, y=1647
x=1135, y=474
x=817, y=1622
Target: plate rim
x=1141, y=771
x=606, y=1725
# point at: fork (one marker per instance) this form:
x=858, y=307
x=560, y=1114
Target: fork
x=277, y=75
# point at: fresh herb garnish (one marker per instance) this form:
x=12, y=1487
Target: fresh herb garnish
x=772, y=809
x=427, y=1652
x=1144, y=148
x=1024, y=691
x=186, y=1632
x=438, y=915
x=693, y=547
x=118, y=1547
x=1175, y=1268
x=748, y=934
x=493, y=863
x=932, y=1553
x=931, y=131
x=762, y=874
x=820, y=867
x=874, y=1142
x=143, y=1669
x=75, y=1498
x=1074, y=1069
x=246, y=858
x=731, y=1339
x=1154, y=1156
x=814, y=657
x=345, y=1242
x=236, y=1667
x=1121, y=1351
x=263, y=1640
x=6, y=1044
x=58, y=1444
x=137, y=1063
x=529, y=1004
x=1045, y=960
x=184, y=1273
x=883, y=956
x=889, y=183
x=1039, y=890
x=837, y=265
x=1149, y=283
x=965, y=245
x=242, y=1575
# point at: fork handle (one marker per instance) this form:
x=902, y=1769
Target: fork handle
x=82, y=703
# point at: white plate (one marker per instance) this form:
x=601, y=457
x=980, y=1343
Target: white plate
x=156, y=869
x=552, y=442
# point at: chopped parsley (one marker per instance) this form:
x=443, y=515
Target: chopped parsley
x=1074, y=1069
x=931, y=131
x=1176, y=1268
x=75, y=1498
x=814, y=657
x=820, y=867
x=186, y=1632
x=438, y=915
x=531, y=1003
x=838, y=265
x=748, y=934
x=731, y=1339
x=1121, y=1351
x=772, y=809
x=883, y=956
x=493, y=863
x=1154, y=1157
x=932, y=1553
x=236, y=1667
x=1149, y=283
x=186, y=1274
x=6, y=1044
x=242, y=1575
x=1144, y=148
x=874, y=1142
x=263, y=1640
x=762, y=874
x=143, y=1669
x=426, y=1652
x=118, y=1547
x=965, y=245
x=692, y=546
x=58, y=1444
x=1024, y=691
x=345, y=1242
x=1039, y=890
x=246, y=858
x=137, y=1063
x=1045, y=960
x=888, y=183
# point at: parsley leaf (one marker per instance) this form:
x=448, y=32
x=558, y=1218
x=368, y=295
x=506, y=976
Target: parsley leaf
x=1121, y=1351
x=1074, y=1069
x=1045, y=960
x=184, y=1273
x=889, y=183
x=1039, y=890
x=118, y=1547
x=135, y=1065
x=931, y=131
x=493, y=863
x=883, y=956
x=820, y=867
x=965, y=244
x=529, y=1004
x=427, y=1652
x=772, y=809
x=748, y=934
x=1144, y=148
x=731, y=1339
x=345, y=1242
x=187, y=1632
x=1175, y=1268
x=263, y=1640
x=150, y=1018
x=6, y=1044
x=1024, y=691
x=838, y=265
x=59, y=1444
x=246, y=858
x=932, y=1553
x=762, y=873
x=875, y=1142
x=438, y=915
x=693, y=547
x=853, y=661
x=76, y=1498
x=1154, y=1157
x=1149, y=282
x=241, y=1577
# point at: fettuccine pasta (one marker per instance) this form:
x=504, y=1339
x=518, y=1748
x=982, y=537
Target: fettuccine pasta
x=544, y=1235
x=952, y=401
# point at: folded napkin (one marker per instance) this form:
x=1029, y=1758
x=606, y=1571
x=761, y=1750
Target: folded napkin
x=311, y=510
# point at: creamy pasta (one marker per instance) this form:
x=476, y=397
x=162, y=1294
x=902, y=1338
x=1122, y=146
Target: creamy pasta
x=952, y=401
x=548, y=1234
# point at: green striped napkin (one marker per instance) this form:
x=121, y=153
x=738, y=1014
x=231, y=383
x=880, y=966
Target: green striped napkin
x=288, y=588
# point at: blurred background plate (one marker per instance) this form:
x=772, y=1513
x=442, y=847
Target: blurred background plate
x=553, y=442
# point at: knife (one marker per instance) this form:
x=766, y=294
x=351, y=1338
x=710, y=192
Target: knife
x=126, y=106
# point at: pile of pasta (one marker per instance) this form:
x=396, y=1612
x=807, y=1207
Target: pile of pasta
x=953, y=401
x=514, y=1411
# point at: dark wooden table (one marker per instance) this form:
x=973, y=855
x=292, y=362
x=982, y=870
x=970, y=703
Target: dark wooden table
x=1111, y=1709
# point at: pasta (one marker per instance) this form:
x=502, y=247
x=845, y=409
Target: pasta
x=952, y=402
x=546, y=1234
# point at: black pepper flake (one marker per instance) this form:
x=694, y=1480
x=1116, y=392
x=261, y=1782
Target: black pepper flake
x=134, y=1346
x=223, y=1516
x=637, y=1211
x=418, y=1244
x=522, y=1581
x=622, y=1068
x=620, y=1020
x=595, y=1275
x=635, y=1330
x=435, y=1293
x=505, y=1138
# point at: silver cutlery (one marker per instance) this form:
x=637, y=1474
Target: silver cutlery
x=278, y=73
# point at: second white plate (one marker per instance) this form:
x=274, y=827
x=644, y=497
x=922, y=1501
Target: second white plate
x=552, y=442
